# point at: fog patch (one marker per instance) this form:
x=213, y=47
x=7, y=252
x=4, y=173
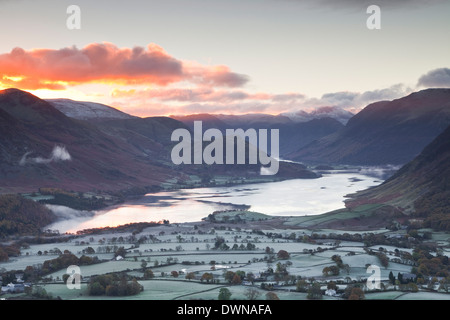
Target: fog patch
x=380, y=172
x=59, y=153
x=65, y=213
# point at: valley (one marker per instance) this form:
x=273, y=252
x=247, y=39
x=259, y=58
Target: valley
x=289, y=236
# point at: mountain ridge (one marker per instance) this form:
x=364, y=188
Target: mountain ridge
x=85, y=110
x=42, y=147
x=384, y=132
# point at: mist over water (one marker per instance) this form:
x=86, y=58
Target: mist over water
x=296, y=197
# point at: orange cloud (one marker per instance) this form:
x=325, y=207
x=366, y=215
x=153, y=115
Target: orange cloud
x=106, y=63
x=198, y=94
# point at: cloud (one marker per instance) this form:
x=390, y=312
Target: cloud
x=435, y=78
x=59, y=153
x=197, y=94
x=150, y=101
x=234, y=108
x=354, y=101
x=106, y=63
x=200, y=99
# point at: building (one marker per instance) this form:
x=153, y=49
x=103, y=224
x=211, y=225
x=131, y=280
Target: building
x=14, y=288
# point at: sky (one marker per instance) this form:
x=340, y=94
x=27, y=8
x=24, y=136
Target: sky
x=151, y=58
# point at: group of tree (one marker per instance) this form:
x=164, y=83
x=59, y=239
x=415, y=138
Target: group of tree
x=113, y=285
x=21, y=216
x=312, y=289
x=353, y=292
x=250, y=294
x=220, y=244
x=430, y=265
x=67, y=259
x=10, y=250
x=207, y=276
x=234, y=277
x=39, y=293
x=434, y=208
x=335, y=270
x=74, y=200
x=405, y=284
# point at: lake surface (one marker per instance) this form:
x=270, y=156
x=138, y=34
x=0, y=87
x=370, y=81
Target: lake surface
x=296, y=197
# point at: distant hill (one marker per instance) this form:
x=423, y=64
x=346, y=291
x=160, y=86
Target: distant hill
x=42, y=147
x=293, y=135
x=84, y=110
x=385, y=132
x=322, y=112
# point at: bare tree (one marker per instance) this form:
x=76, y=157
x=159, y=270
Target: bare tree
x=251, y=294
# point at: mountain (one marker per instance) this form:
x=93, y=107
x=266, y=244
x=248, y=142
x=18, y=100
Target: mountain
x=417, y=194
x=293, y=135
x=84, y=110
x=42, y=147
x=420, y=188
x=385, y=132
x=322, y=112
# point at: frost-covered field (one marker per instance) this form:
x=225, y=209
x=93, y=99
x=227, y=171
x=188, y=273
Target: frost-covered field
x=188, y=248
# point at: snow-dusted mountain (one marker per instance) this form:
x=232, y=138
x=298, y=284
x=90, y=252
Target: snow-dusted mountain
x=323, y=112
x=84, y=110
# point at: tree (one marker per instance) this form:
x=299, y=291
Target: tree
x=148, y=274
x=384, y=260
x=400, y=278
x=301, y=285
x=3, y=255
x=96, y=289
x=272, y=296
x=224, y=294
x=392, y=278
x=353, y=293
x=207, y=276
x=190, y=276
x=250, y=277
x=229, y=275
x=89, y=250
x=314, y=291
x=332, y=285
x=236, y=279
x=356, y=294
x=120, y=252
x=220, y=244
x=251, y=294
x=412, y=287
x=283, y=255
x=333, y=270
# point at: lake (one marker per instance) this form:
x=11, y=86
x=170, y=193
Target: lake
x=297, y=197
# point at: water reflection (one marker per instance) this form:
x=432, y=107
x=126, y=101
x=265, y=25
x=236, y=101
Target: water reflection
x=286, y=198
